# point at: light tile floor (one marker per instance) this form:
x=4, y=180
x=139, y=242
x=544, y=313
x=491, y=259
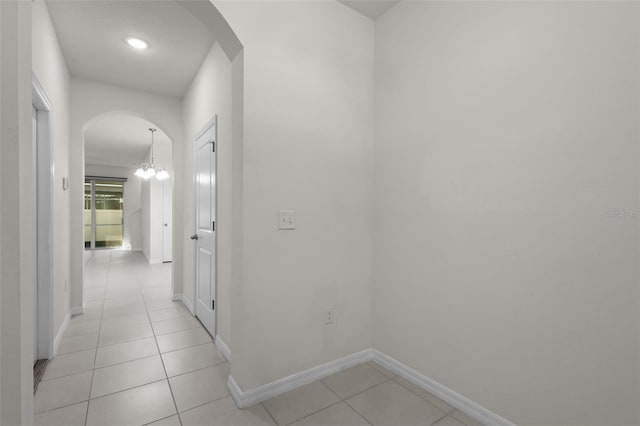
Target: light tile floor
x=136, y=358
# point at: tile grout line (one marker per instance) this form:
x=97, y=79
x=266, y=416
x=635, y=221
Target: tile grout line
x=135, y=339
x=176, y=331
x=391, y=379
x=126, y=341
x=197, y=369
x=159, y=420
x=205, y=403
x=67, y=375
x=340, y=399
x=124, y=362
x=351, y=396
x=127, y=389
x=426, y=400
x=62, y=406
x=387, y=379
x=101, y=307
x=86, y=416
x=357, y=412
x=308, y=415
x=268, y=412
x=164, y=367
x=186, y=347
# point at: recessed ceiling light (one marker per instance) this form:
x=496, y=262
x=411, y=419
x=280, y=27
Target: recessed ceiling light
x=136, y=43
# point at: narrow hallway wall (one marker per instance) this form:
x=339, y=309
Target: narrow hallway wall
x=50, y=68
x=17, y=217
x=210, y=95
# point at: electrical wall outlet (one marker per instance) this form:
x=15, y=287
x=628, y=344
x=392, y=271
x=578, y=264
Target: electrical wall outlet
x=329, y=315
x=287, y=219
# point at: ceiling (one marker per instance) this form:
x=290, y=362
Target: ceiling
x=120, y=140
x=92, y=34
x=372, y=9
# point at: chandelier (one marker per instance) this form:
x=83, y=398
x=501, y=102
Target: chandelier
x=149, y=170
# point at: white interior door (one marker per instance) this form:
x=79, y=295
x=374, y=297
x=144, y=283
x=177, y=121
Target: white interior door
x=167, y=225
x=205, y=235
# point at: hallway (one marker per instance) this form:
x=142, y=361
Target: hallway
x=134, y=356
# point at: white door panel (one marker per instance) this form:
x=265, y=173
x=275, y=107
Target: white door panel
x=167, y=221
x=205, y=236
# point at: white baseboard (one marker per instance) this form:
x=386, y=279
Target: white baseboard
x=60, y=333
x=149, y=260
x=252, y=396
x=467, y=406
x=261, y=393
x=179, y=297
x=223, y=348
x=78, y=310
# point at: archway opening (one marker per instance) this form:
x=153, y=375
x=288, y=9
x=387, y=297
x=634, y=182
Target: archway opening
x=123, y=211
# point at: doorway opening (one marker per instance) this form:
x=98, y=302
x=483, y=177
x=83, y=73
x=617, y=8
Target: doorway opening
x=42, y=160
x=124, y=210
x=103, y=212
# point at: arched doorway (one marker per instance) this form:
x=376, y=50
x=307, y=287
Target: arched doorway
x=122, y=210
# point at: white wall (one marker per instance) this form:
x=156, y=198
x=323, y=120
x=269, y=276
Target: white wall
x=132, y=201
x=16, y=216
x=308, y=135
x=91, y=101
x=503, y=133
x=50, y=68
x=210, y=95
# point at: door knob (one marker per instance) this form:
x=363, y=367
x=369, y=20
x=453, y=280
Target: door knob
x=194, y=237
x=166, y=224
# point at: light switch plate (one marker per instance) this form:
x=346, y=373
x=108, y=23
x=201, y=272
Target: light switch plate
x=329, y=315
x=287, y=219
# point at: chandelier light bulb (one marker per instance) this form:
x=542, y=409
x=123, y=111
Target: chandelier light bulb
x=162, y=175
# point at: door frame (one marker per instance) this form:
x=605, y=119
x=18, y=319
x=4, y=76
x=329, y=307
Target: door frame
x=43, y=159
x=210, y=123
x=93, y=180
